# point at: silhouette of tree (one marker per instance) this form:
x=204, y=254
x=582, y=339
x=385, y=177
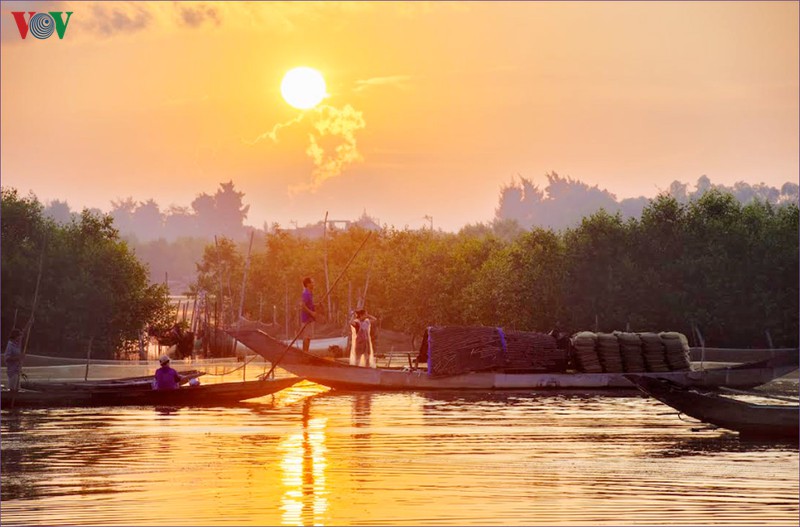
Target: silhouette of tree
x=148, y=220
x=58, y=211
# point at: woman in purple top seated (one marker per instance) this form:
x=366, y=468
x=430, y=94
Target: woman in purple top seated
x=166, y=377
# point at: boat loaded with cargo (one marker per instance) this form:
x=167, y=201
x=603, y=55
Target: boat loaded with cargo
x=486, y=358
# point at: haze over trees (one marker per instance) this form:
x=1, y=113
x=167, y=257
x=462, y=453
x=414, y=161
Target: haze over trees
x=222, y=213
x=564, y=202
x=93, y=293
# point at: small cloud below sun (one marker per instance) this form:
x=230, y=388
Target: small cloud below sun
x=332, y=142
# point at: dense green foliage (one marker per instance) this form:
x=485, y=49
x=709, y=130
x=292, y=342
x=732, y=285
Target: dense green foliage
x=728, y=268
x=92, y=288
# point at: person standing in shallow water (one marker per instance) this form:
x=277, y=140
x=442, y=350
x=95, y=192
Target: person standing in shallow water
x=308, y=313
x=166, y=377
x=13, y=358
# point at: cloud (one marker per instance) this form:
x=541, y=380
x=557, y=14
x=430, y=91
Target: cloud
x=332, y=142
x=273, y=134
x=194, y=16
x=337, y=123
x=111, y=19
x=401, y=81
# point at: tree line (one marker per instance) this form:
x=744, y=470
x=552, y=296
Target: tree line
x=79, y=281
x=564, y=202
x=729, y=269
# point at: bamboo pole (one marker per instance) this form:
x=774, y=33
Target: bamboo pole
x=241, y=301
x=325, y=256
x=27, y=329
x=88, y=358
x=328, y=292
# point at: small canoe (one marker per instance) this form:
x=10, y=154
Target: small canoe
x=204, y=395
x=752, y=421
x=144, y=382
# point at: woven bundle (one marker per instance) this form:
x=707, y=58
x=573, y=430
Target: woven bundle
x=584, y=344
x=608, y=352
x=534, y=352
x=677, y=350
x=653, y=351
x=630, y=348
x=453, y=350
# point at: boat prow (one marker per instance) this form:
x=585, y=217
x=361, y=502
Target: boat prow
x=752, y=421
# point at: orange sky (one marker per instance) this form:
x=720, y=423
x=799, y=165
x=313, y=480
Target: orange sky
x=166, y=100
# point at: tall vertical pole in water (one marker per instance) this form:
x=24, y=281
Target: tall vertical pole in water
x=325, y=258
x=241, y=302
x=286, y=306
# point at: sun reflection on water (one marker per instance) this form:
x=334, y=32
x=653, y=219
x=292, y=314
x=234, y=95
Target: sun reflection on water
x=303, y=464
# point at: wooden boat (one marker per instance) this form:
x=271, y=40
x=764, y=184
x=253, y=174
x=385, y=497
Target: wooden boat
x=343, y=376
x=752, y=421
x=205, y=395
x=132, y=383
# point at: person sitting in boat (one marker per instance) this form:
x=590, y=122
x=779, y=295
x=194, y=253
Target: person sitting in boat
x=363, y=354
x=166, y=377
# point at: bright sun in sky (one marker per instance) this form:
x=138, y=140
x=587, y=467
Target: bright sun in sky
x=303, y=88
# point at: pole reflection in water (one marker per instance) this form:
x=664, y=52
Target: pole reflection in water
x=303, y=464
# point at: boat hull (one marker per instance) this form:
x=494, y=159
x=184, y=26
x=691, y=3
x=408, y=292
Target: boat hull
x=343, y=376
x=752, y=421
x=205, y=395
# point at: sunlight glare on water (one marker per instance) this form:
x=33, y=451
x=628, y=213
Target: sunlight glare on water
x=309, y=456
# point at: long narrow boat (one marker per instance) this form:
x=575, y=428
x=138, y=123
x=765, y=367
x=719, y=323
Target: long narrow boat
x=144, y=383
x=205, y=395
x=752, y=421
x=343, y=376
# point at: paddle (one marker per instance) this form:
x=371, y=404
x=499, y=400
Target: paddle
x=328, y=292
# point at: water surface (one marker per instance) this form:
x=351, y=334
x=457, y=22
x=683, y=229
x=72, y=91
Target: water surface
x=309, y=456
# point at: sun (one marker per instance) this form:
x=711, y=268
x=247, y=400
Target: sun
x=303, y=88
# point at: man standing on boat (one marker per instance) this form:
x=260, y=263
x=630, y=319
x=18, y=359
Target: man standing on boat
x=166, y=377
x=308, y=313
x=13, y=357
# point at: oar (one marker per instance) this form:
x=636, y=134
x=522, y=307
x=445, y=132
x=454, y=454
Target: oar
x=341, y=274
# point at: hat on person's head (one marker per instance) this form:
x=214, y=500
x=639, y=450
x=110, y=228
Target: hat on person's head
x=163, y=359
x=360, y=312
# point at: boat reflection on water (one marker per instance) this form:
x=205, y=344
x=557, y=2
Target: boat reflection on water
x=711, y=441
x=303, y=465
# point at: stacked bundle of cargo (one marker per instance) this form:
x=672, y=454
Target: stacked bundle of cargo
x=453, y=349
x=653, y=351
x=630, y=347
x=528, y=351
x=585, y=354
x=608, y=352
x=677, y=350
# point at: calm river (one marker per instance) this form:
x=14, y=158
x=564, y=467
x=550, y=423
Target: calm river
x=309, y=456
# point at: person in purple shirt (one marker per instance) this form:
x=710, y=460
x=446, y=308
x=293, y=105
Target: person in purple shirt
x=308, y=313
x=166, y=377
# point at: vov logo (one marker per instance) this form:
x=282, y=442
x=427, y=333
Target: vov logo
x=41, y=25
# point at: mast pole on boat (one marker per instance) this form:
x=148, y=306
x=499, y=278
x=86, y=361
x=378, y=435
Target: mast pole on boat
x=328, y=292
